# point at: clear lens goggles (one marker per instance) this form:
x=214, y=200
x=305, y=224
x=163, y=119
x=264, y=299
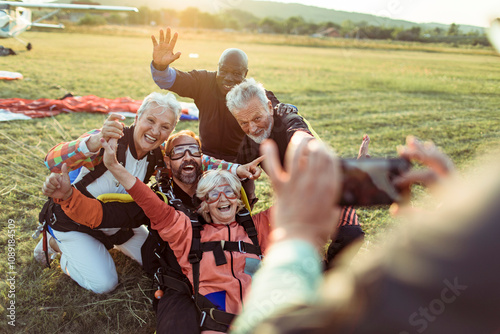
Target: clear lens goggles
x=178, y=151
x=214, y=194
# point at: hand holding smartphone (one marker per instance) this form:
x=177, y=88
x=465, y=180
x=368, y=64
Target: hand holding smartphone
x=369, y=182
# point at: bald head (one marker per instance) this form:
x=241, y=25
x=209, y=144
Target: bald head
x=234, y=55
x=232, y=69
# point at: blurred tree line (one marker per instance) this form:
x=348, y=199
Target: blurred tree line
x=239, y=20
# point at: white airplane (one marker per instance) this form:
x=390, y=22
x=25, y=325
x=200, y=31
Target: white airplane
x=15, y=17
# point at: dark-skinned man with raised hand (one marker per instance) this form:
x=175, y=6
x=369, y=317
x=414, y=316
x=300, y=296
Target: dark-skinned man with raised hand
x=219, y=132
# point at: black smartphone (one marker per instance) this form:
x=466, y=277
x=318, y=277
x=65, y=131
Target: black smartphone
x=370, y=181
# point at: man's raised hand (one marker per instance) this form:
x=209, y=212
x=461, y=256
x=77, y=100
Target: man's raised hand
x=163, y=51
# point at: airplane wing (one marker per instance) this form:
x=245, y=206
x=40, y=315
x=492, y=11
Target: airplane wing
x=47, y=25
x=68, y=6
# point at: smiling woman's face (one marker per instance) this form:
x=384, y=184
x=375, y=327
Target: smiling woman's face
x=152, y=129
x=225, y=203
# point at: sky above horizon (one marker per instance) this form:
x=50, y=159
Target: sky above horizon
x=478, y=12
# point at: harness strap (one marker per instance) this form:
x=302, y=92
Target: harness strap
x=109, y=241
x=218, y=247
x=224, y=318
x=195, y=255
x=46, y=246
x=165, y=280
x=89, y=178
x=46, y=217
x=155, y=162
x=244, y=219
x=177, y=204
x=120, y=237
x=53, y=215
x=212, y=318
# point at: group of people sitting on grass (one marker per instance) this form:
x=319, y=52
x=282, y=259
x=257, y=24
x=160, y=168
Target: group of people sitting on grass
x=193, y=229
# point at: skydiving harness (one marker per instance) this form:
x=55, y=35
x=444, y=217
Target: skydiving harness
x=54, y=217
x=211, y=318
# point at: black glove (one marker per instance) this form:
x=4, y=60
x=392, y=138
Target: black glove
x=282, y=109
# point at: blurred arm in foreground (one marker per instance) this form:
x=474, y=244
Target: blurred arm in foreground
x=429, y=277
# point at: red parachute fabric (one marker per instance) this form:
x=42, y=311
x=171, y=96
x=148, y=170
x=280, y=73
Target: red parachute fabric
x=48, y=107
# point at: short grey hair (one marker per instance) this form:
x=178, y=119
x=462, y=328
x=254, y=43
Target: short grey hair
x=164, y=101
x=212, y=179
x=239, y=96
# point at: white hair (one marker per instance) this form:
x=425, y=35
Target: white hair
x=239, y=96
x=164, y=101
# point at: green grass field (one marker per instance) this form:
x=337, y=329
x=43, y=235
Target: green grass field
x=344, y=88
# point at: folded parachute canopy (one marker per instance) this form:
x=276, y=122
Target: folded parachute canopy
x=91, y=104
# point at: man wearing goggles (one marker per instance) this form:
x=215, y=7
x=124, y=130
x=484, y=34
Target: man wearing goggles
x=186, y=162
x=179, y=151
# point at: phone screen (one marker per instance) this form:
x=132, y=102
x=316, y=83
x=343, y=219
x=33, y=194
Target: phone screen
x=370, y=181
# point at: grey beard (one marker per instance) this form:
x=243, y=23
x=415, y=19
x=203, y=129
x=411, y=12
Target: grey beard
x=191, y=178
x=262, y=137
x=265, y=135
